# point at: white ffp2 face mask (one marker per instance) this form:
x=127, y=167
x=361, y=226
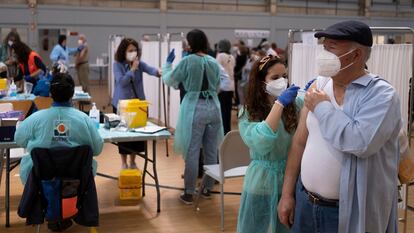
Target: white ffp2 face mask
x=276, y=87
x=130, y=56
x=10, y=42
x=328, y=64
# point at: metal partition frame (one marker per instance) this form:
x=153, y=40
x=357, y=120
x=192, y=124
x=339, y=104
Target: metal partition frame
x=291, y=36
x=168, y=37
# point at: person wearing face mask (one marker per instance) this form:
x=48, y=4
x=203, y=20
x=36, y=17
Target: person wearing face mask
x=128, y=73
x=199, y=122
x=227, y=61
x=81, y=63
x=267, y=123
x=345, y=152
x=7, y=56
x=61, y=52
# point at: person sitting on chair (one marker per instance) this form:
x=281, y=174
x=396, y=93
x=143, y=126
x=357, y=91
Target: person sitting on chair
x=59, y=126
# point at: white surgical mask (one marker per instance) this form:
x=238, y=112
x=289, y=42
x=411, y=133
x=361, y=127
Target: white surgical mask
x=80, y=42
x=329, y=65
x=131, y=56
x=10, y=43
x=276, y=87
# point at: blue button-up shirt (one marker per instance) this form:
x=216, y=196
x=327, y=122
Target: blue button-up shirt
x=60, y=53
x=366, y=131
x=124, y=78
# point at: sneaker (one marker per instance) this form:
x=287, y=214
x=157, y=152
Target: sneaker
x=186, y=198
x=124, y=166
x=206, y=193
x=59, y=226
x=133, y=166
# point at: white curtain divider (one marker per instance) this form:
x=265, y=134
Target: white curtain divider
x=394, y=64
x=391, y=62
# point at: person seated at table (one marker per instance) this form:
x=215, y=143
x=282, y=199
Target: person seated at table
x=31, y=66
x=43, y=85
x=58, y=126
x=128, y=72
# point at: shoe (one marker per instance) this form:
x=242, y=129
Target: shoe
x=124, y=166
x=206, y=193
x=186, y=198
x=133, y=166
x=59, y=226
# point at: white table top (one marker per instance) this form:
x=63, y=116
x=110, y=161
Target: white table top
x=114, y=136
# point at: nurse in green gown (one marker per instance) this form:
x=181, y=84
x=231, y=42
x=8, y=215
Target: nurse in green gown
x=266, y=123
x=199, y=122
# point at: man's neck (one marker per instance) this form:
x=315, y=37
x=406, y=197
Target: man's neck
x=343, y=79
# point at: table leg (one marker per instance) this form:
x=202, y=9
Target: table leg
x=145, y=168
x=154, y=168
x=100, y=75
x=1, y=164
x=7, y=197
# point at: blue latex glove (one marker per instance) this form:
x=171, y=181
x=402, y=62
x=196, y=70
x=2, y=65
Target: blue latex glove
x=81, y=47
x=27, y=78
x=171, y=56
x=309, y=84
x=288, y=95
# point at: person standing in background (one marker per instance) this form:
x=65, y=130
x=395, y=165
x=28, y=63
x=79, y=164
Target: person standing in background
x=128, y=72
x=241, y=54
x=61, y=53
x=81, y=63
x=227, y=61
x=199, y=123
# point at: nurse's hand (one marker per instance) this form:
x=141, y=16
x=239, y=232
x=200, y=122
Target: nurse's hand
x=286, y=210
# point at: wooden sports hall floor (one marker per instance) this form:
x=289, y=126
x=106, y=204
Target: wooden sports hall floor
x=142, y=217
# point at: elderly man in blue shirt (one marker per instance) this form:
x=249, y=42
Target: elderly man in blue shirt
x=61, y=53
x=344, y=155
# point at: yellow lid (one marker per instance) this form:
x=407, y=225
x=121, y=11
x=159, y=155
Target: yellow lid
x=3, y=83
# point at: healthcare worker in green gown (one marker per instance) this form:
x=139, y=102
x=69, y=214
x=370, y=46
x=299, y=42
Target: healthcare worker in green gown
x=58, y=126
x=199, y=123
x=266, y=123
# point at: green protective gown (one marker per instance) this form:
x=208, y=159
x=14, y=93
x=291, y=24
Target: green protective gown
x=264, y=177
x=189, y=72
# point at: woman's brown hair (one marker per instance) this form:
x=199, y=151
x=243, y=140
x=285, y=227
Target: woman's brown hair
x=121, y=51
x=257, y=104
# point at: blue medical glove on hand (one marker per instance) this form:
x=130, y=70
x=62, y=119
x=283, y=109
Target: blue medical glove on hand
x=81, y=47
x=171, y=56
x=27, y=78
x=288, y=95
x=309, y=84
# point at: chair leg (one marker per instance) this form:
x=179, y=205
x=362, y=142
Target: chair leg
x=197, y=197
x=38, y=228
x=222, y=205
x=93, y=230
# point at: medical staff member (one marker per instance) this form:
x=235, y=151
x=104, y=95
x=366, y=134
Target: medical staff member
x=199, y=123
x=128, y=72
x=61, y=53
x=58, y=126
x=31, y=65
x=266, y=123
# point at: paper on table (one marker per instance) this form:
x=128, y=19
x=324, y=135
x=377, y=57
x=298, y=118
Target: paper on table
x=149, y=129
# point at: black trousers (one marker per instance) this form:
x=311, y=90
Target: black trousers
x=226, y=103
